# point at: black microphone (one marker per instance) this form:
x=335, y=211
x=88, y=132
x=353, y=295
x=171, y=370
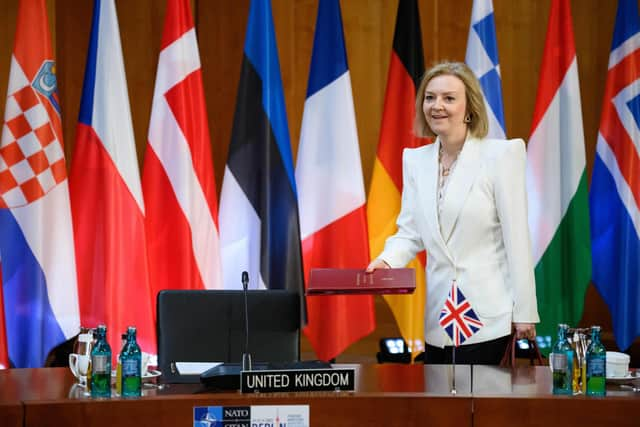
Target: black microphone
x=246, y=357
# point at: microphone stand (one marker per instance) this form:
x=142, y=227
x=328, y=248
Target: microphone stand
x=246, y=356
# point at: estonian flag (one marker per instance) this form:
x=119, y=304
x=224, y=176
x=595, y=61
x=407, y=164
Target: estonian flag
x=259, y=228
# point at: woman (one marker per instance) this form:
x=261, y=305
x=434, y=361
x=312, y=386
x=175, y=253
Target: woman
x=464, y=202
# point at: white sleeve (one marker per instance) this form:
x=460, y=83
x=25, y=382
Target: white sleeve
x=511, y=204
x=403, y=246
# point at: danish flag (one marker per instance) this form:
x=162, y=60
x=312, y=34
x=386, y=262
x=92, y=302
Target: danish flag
x=457, y=317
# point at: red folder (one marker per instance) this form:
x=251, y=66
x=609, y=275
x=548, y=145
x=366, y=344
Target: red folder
x=324, y=281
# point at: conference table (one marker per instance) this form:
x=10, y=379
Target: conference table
x=385, y=394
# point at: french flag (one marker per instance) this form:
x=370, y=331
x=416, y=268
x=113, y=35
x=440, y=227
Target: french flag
x=36, y=242
x=333, y=224
x=106, y=196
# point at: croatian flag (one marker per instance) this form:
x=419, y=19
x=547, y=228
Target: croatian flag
x=106, y=197
x=482, y=58
x=36, y=242
x=615, y=184
x=259, y=228
x=178, y=180
x=333, y=224
x=457, y=317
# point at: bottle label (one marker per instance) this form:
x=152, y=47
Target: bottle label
x=131, y=368
x=595, y=367
x=100, y=364
x=558, y=362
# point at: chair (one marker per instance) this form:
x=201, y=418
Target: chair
x=208, y=326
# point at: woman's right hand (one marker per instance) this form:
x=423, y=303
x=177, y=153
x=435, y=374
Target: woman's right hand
x=376, y=264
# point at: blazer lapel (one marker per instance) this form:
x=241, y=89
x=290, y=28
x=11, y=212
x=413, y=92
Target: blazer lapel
x=429, y=181
x=461, y=181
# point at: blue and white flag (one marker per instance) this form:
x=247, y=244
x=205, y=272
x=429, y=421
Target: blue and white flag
x=259, y=226
x=482, y=58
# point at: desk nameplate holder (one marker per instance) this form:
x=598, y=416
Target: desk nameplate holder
x=269, y=381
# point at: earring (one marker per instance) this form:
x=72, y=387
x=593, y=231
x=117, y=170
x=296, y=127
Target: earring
x=467, y=118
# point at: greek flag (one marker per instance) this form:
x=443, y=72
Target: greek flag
x=482, y=58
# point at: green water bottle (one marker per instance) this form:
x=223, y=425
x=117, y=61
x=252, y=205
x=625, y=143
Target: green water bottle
x=131, y=360
x=101, y=365
x=596, y=365
x=561, y=360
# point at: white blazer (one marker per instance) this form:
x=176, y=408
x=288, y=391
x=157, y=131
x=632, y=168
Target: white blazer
x=484, y=244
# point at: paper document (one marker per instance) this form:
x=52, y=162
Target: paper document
x=195, y=368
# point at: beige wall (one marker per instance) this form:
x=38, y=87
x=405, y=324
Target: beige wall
x=368, y=27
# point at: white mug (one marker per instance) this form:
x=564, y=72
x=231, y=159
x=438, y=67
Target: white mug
x=79, y=365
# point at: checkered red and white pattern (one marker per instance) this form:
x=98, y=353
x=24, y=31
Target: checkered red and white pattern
x=31, y=155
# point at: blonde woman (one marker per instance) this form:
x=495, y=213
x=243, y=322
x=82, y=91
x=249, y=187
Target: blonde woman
x=464, y=202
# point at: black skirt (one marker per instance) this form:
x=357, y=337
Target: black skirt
x=484, y=353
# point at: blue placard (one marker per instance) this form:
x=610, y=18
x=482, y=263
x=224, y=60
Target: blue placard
x=251, y=416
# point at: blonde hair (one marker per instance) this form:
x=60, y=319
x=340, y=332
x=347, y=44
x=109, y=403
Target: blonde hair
x=476, y=110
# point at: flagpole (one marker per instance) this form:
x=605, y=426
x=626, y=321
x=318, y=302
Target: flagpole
x=453, y=360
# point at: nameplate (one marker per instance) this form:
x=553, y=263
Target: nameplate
x=297, y=380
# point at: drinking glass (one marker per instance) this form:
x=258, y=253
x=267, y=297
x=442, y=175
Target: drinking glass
x=79, y=360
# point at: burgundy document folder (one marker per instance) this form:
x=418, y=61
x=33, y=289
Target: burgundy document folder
x=324, y=281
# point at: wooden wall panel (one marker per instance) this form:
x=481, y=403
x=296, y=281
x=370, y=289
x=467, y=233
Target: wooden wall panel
x=368, y=29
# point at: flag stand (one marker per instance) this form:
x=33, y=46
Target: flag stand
x=453, y=361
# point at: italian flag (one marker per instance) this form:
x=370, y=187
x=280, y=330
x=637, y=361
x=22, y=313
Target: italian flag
x=557, y=183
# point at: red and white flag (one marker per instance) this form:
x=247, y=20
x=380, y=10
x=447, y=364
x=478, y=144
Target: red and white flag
x=178, y=179
x=106, y=196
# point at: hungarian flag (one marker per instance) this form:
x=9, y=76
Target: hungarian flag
x=259, y=228
x=106, y=197
x=482, y=58
x=178, y=180
x=396, y=133
x=331, y=195
x=36, y=241
x=615, y=184
x=557, y=182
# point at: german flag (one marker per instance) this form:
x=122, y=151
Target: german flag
x=405, y=70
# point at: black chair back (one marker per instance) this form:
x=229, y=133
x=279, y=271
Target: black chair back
x=208, y=326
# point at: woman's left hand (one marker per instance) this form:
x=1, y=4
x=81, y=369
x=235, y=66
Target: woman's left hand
x=525, y=330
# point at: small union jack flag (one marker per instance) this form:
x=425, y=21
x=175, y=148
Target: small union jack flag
x=457, y=318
